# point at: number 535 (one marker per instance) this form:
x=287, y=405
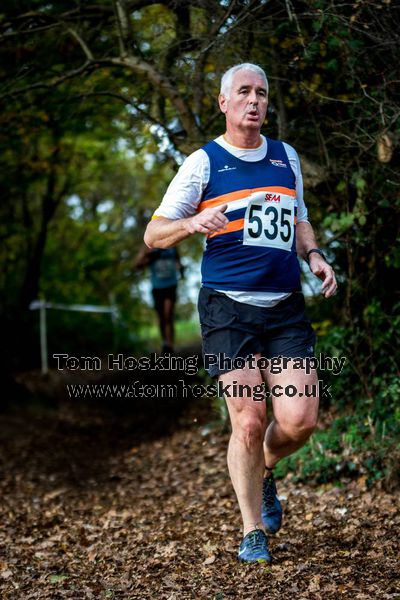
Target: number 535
x=276, y=224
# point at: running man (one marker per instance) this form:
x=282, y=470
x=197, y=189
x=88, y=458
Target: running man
x=244, y=192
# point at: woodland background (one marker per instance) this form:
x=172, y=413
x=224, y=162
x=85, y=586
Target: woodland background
x=100, y=102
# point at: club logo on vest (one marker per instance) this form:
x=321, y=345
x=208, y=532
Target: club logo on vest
x=272, y=197
x=277, y=163
x=226, y=168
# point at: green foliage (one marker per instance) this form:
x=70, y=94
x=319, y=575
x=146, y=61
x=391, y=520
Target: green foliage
x=363, y=436
x=362, y=443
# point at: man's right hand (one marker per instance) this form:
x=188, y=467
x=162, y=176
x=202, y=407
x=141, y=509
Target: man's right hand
x=208, y=220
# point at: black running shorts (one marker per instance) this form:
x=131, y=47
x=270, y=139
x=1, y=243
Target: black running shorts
x=238, y=330
x=161, y=294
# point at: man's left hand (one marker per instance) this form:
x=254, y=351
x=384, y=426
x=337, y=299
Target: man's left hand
x=320, y=268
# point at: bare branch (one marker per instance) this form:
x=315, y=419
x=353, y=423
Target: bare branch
x=11, y=34
x=217, y=27
x=292, y=16
x=126, y=100
x=161, y=82
x=329, y=98
x=247, y=12
x=123, y=28
x=82, y=44
x=51, y=84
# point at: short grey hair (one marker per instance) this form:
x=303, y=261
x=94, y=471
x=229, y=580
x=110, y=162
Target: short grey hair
x=227, y=77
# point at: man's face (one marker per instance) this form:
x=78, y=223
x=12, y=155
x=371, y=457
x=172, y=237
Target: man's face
x=248, y=101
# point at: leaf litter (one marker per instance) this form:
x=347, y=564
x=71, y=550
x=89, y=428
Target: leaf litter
x=96, y=505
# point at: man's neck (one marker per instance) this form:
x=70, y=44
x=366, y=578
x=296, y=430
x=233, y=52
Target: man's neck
x=245, y=139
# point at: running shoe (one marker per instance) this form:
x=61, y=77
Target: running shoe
x=254, y=548
x=271, y=510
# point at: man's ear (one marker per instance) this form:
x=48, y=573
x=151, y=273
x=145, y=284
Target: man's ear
x=222, y=103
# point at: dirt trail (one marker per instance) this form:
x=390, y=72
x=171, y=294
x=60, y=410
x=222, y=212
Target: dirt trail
x=137, y=503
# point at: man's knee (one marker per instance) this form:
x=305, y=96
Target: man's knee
x=300, y=430
x=250, y=430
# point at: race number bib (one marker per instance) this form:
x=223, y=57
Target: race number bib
x=269, y=221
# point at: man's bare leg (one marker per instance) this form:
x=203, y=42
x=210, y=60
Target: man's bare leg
x=245, y=450
x=294, y=418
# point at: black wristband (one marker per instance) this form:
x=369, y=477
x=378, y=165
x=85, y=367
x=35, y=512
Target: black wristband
x=317, y=251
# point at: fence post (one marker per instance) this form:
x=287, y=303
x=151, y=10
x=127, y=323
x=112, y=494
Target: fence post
x=43, y=337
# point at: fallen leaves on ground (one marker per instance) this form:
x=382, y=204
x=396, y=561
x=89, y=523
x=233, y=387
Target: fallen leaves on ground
x=94, y=508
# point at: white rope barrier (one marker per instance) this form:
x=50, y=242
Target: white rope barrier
x=42, y=305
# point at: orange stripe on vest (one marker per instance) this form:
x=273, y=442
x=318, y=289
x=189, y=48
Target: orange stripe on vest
x=232, y=226
x=226, y=198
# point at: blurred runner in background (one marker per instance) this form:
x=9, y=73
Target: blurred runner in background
x=164, y=267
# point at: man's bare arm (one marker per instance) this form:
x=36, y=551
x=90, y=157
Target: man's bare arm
x=305, y=238
x=165, y=233
x=305, y=241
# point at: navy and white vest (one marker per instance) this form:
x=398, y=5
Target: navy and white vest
x=257, y=249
